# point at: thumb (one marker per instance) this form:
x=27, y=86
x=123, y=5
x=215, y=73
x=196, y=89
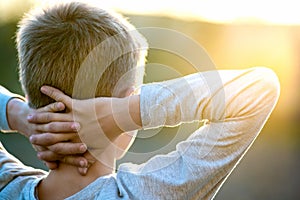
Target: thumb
x=53, y=107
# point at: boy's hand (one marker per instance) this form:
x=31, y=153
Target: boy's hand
x=18, y=112
x=91, y=131
x=100, y=120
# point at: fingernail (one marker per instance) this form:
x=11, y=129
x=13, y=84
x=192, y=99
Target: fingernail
x=43, y=89
x=59, y=106
x=31, y=139
x=76, y=126
x=83, y=148
x=82, y=163
x=29, y=117
x=84, y=170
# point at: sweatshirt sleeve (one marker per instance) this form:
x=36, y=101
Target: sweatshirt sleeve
x=212, y=96
x=5, y=96
x=11, y=168
x=234, y=104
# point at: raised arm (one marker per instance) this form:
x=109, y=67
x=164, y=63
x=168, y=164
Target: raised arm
x=235, y=105
x=5, y=98
x=213, y=96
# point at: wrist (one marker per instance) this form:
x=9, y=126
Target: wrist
x=126, y=113
x=115, y=115
x=16, y=112
x=134, y=111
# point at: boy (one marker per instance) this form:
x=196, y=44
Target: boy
x=235, y=104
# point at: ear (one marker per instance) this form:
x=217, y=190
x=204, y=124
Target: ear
x=127, y=92
x=125, y=140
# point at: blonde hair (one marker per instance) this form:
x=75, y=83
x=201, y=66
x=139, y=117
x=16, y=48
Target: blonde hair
x=53, y=42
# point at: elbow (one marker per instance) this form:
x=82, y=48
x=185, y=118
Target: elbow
x=269, y=85
x=269, y=81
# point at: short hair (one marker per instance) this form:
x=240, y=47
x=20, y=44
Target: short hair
x=54, y=42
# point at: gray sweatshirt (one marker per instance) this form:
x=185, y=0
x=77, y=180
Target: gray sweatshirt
x=234, y=104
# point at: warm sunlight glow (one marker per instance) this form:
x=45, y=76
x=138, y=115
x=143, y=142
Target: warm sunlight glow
x=238, y=33
x=219, y=11
x=281, y=12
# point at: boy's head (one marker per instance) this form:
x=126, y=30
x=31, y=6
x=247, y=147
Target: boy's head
x=54, y=42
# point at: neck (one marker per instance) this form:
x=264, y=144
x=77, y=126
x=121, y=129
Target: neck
x=66, y=181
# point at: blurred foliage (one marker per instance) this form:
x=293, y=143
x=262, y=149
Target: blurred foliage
x=8, y=57
x=270, y=169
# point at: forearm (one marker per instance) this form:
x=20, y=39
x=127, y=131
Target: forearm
x=17, y=111
x=133, y=121
x=236, y=103
x=214, y=96
x=9, y=106
x=115, y=115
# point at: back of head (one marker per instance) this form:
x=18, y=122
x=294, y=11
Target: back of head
x=71, y=44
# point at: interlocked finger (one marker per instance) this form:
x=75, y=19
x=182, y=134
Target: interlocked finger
x=49, y=156
x=57, y=95
x=46, y=117
x=68, y=148
x=51, y=165
x=53, y=107
x=78, y=161
x=48, y=139
x=58, y=127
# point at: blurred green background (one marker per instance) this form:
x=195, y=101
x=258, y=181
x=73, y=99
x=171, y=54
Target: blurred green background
x=270, y=170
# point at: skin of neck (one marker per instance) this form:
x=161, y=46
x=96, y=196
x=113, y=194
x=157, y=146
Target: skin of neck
x=66, y=180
